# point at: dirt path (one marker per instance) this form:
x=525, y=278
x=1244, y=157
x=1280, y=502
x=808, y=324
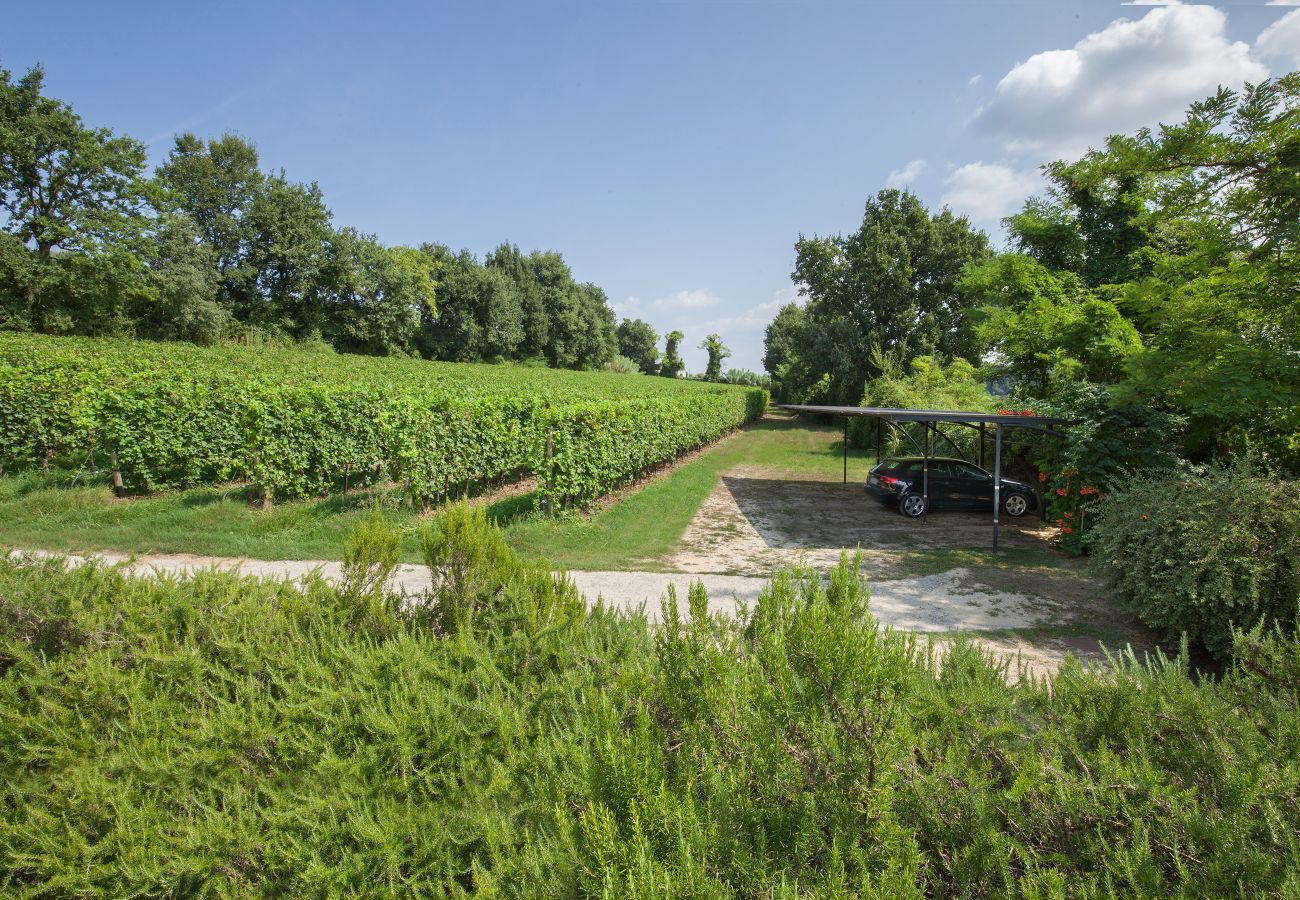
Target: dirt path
x=755, y=521
x=936, y=604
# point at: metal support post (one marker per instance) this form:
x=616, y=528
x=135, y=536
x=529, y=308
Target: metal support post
x=997, y=486
x=846, y=449
x=925, y=476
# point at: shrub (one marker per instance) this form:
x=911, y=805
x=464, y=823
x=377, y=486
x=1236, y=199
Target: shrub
x=621, y=365
x=1202, y=553
x=1110, y=440
x=224, y=736
x=926, y=382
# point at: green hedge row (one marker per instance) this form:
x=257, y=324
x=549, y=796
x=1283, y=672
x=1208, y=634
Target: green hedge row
x=300, y=424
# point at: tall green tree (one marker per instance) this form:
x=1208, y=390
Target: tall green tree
x=535, y=319
x=1045, y=328
x=64, y=188
x=383, y=294
x=1200, y=254
x=184, y=304
x=639, y=342
x=214, y=183
x=891, y=284
x=718, y=352
x=672, y=365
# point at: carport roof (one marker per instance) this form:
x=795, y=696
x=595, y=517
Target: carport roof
x=894, y=414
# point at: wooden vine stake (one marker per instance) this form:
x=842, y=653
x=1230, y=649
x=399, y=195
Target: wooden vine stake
x=119, y=489
x=550, y=451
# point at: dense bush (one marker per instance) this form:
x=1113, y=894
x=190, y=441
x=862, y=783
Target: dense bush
x=299, y=424
x=1110, y=439
x=220, y=736
x=927, y=382
x=1203, y=553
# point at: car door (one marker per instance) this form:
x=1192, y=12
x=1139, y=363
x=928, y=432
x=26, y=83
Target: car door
x=972, y=486
x=942, y=485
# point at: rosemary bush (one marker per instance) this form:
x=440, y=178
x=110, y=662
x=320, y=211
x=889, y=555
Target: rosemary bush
x=223, y=736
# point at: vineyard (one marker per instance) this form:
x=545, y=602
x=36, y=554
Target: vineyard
x=296, y=424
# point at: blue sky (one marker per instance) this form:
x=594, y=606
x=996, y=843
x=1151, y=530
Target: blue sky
x=672, y=152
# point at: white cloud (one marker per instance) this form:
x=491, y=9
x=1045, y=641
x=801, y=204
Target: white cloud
x=628, y=308
x=756, y=318
x=696, y=299
x=988, y=191
x=1131, y=73
x=1283, y=3
x=900, y=178
x=1279, y=43
x=1151, y=3
x=974, y=80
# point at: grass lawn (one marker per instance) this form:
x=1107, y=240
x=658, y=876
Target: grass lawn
x=43, y=511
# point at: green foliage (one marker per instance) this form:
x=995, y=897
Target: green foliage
x=371, y=553
x=717, y=353
x=69, y=188
x=1109, y=441
x=622, y=365
x=224, y=736
x=1045, y=330
x=891, y=284
x=301, y=424
x=747, y=377
x=638, y=341
x=672, y=365
x=236, y=253
x=1204, y=553
x=1166, y=265
x=926, y=382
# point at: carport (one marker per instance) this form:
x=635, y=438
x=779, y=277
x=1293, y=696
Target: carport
x=932, y=419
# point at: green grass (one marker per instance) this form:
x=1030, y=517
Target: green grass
x=43, y=511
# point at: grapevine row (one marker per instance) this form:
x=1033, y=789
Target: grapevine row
x=297, y=424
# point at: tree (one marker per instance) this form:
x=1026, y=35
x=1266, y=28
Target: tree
x=638, y=341
x=215, y=184
x=1192, y=231
x=534, y=320
x=289, y=231
x=382, y=297
x=1045, y=328
x=891, y=284
x=184, y=277
x=717, y=353
x=598, y=343
x=63, y=187
x=672, y=365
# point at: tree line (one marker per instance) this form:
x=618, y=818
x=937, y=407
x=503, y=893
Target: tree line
x=212, y=247
x=1159, y=272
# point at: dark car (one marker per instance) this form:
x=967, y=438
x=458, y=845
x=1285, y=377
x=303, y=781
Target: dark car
x=954, y=484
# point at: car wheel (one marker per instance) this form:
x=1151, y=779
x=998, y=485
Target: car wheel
x=1016, y=505
x=912, y=505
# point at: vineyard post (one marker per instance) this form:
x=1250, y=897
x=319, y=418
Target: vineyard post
x=550, y=451
x=118, y=488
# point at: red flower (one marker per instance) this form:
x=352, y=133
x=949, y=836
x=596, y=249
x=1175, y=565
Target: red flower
x=1061, y=492
x=1042, y=477
x=1067, y=529
x=1069, y=515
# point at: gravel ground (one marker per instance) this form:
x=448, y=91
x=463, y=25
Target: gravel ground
x=929, y=603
